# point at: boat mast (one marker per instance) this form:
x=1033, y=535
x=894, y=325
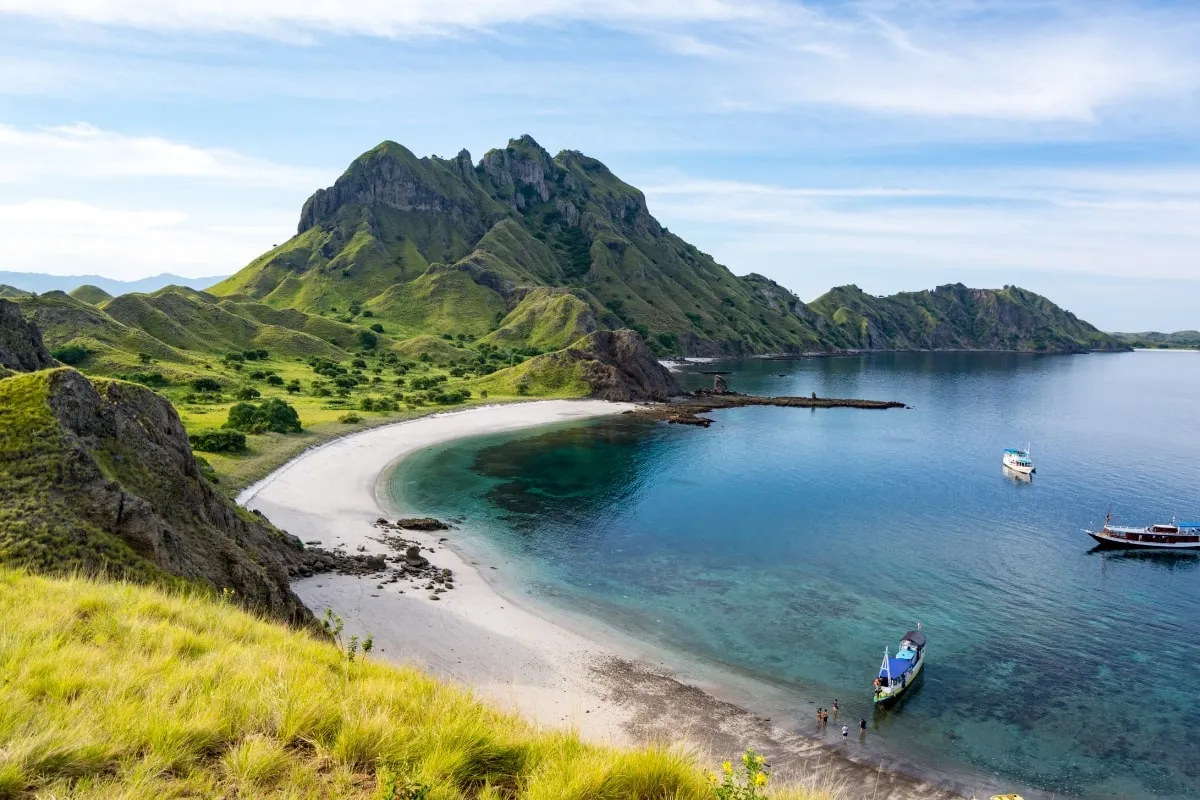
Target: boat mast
x=887, y=667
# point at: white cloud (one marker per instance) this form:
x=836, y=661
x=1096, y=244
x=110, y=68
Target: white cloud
x=1051, y=61
x=84, y=152
x=388, y=18
x=68, y=237
x=1123, y=223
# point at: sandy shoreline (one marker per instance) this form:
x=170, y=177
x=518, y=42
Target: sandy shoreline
x=609, y=690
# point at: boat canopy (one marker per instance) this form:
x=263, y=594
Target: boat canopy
x=916, y=637
x=896, y=667
x=1189, y=524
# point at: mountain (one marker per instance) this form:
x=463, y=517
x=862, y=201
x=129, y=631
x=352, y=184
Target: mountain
x=522, y=247
x=1154, y=339
x=954, y=317
x=533, y=250
x=38, y=282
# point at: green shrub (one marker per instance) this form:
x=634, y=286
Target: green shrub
x=273, y=416
x=350, y=419
x=274, y=380
x=377, y=328
x=71, y=355
x=293, y=386
x=218, y=441
x=247, y=393
x=155, y=379
x=206, y=385
x=367, y=340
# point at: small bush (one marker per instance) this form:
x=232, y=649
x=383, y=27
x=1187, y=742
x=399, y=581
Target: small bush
x=206, y=385
x=273, y=416
x=274, y=380
x=377, y=328
x=350, y=419
x=247, y=393
x=71, y=355
x=218, y=441
x=367, y=340
x=293, y=387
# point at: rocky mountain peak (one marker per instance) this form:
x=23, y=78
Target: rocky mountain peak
x=520, y=172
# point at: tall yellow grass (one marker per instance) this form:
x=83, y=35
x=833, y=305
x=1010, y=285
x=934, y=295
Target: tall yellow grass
x=111, y=690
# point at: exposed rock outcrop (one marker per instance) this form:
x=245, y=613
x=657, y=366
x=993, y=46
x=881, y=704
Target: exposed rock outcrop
x=104, y=480
x=21, y=347
x=618, y=366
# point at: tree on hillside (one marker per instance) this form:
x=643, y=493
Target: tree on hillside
x=275, y=416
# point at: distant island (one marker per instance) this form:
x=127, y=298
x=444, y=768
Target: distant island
x=1180, y=340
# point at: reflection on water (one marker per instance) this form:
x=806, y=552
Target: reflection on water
x=794, y=546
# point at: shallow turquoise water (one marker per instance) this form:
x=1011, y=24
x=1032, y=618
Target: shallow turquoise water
x=794, y=545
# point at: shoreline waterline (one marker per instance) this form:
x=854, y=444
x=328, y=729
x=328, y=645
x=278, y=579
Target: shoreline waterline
x=563, y=672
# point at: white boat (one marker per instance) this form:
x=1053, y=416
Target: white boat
x=1018, y=461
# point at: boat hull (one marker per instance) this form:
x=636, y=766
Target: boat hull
x=1022, y=469
x=893, y=693
x=1109, y=542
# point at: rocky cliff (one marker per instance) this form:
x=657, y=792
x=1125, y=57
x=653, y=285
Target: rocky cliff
x=21, y=348
x=98, y=476
x=608, y=365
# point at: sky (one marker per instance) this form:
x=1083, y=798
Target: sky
x=893, y=144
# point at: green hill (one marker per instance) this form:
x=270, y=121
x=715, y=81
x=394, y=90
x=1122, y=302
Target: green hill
x=954, y=317
x=93, y=295
x=1161, y=341
x=529, y=250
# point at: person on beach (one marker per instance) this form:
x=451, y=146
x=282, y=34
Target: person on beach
x=845, y=733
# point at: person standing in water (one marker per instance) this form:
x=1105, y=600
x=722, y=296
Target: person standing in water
x=845, y=733
x=862, y=728
x=835, y=708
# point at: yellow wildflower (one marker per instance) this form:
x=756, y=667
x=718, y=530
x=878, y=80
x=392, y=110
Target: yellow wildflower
x=760, y=779
x=760, y=760
x=727, y=767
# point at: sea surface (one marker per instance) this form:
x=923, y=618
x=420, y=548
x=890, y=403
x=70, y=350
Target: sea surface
x=793, y=545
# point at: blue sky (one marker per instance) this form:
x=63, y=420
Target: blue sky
x=896, y=145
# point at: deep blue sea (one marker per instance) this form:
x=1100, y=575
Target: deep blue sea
x=794, y=545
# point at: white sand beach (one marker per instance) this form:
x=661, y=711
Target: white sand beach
x=510, y=654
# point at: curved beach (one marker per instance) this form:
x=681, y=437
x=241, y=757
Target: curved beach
x=609, y=690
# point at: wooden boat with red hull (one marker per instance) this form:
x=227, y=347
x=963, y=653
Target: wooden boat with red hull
x=1175, y=536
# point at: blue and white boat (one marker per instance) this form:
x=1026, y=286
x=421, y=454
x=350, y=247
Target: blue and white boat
x=1019, y=461
x=898, y=672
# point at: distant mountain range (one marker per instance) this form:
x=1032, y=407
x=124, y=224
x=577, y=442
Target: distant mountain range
x=38, y=282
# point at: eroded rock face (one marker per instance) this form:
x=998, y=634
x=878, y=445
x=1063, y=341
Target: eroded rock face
x=619, y=367
x=129, y=471
x=21, y=347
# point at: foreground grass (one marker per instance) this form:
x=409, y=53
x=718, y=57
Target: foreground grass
x=116, y=691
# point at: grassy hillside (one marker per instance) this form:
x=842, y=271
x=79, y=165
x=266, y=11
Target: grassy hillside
x=93, y=295
x=954, y=317
x=116, y=691
x=1162, y=341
